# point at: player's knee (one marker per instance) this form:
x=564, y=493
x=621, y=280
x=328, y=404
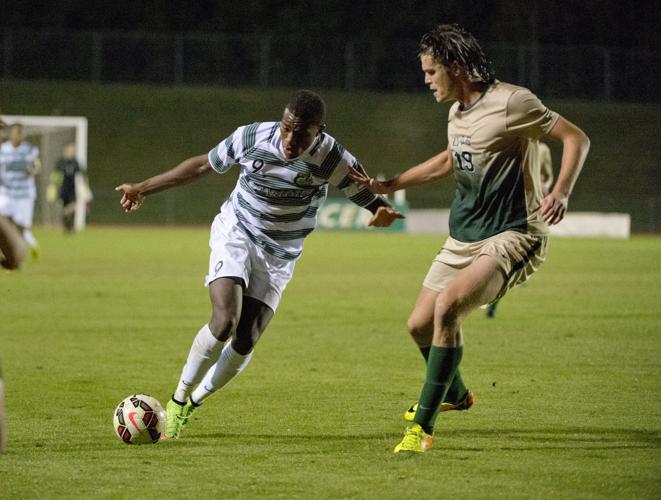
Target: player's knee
x=419, y=332
x=448, y=311
x=222, y=325
x=245, y=340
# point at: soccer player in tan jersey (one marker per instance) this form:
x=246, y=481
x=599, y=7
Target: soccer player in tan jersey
x=499, y=217
x=543, y=156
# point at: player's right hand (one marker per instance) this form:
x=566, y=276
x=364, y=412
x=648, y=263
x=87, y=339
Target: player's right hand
x=132, y=198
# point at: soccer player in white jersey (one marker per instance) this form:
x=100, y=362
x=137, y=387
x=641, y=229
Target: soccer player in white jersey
x=12, y=244
x=284, y=171
x=499, y=217
x=19, y=163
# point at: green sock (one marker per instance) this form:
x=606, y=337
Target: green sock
x=441, y=367
x=457, y=389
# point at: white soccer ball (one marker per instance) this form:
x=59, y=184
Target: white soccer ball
x=139, y=419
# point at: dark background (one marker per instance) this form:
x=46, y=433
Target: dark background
x=610, y=23
x=160, y=81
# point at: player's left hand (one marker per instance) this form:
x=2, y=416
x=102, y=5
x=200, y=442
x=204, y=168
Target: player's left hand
x=554, y=208
x=384, y=217
x=132, y=198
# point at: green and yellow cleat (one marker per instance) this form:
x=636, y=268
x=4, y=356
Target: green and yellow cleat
x=416, y=440
x=35, y=252
x=177, y=418
x=468, y=401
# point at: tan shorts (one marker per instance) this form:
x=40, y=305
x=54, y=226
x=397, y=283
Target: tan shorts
x=519, y=255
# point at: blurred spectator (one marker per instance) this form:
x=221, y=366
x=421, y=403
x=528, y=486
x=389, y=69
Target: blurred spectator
x=63, y=177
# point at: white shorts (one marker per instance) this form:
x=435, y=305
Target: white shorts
x=233, y=254
x=20, y=210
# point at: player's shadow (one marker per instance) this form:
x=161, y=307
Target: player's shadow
x=583, y=438
x=503, y=439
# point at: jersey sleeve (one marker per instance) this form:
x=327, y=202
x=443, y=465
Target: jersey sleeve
x=528, y=116
x=358, y=194
x=224, y=155
x=33, y=154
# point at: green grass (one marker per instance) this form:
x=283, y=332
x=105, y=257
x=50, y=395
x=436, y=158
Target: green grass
x=566, y=375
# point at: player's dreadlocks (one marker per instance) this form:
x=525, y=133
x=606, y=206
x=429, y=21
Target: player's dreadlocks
x=308, y=106
x=450, y=42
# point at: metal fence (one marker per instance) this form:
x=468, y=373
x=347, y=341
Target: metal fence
x=358, y=63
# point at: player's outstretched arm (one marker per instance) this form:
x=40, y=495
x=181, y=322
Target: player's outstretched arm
x=575, y=147
x=434, y=168
x=383, y=215
x=133, y=195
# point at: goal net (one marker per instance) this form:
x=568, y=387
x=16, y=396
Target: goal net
x=50, y=134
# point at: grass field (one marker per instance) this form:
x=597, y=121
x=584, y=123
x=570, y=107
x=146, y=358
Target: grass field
x=567, y=375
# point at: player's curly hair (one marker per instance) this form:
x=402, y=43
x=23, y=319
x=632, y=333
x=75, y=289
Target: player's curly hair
x=450, y=42
x=307, y=106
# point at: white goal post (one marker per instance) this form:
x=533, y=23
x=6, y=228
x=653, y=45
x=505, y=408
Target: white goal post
x=50, y=134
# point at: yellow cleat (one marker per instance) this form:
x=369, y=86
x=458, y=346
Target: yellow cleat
x=416, y=440
x=464, y=404
x=35, y=252
x=177, y=418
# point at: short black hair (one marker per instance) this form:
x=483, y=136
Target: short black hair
x=448, y=43
x=308, y=106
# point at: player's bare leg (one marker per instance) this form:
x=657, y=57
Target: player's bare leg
x=68, y=216
x=255, y=317
x=478, y=284
x=421, y=327
x=12, y=245
x=421, y=320
x=226, y=295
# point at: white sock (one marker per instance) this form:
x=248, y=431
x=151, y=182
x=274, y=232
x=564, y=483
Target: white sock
x=230, y=364
x=29, y=238
x=203, y=354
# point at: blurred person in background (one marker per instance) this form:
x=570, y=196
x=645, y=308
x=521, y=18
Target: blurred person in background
x=499, y=216
x=19, y=163
x=285, y=168
x=63, y=185
x=12, y=245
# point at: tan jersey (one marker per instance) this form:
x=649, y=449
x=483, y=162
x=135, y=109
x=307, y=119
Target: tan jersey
x=494, y=147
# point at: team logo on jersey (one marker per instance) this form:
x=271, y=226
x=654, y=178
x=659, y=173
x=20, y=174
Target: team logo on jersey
x=303, y=180
x=257, y=165
x=461, y=140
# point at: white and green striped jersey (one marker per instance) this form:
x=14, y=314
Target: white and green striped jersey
x=275, y=200
x=14, y=164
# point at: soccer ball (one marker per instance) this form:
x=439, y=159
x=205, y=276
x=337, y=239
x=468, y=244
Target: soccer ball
x=139, y=419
